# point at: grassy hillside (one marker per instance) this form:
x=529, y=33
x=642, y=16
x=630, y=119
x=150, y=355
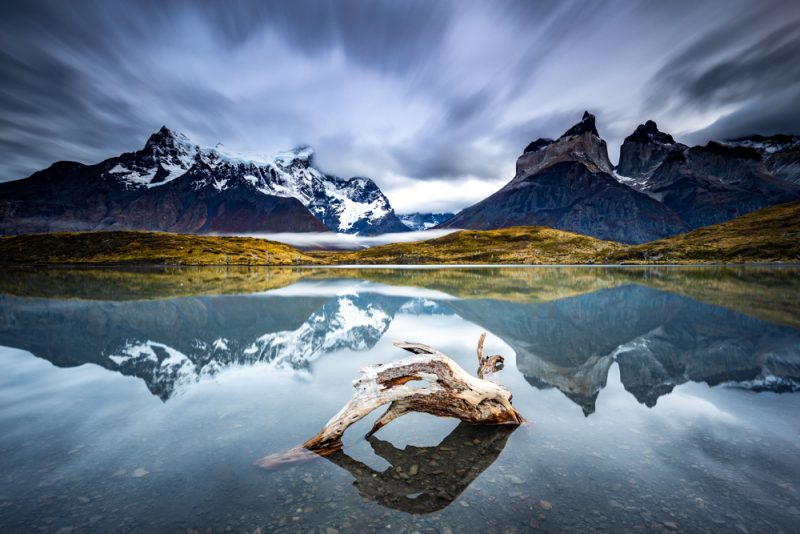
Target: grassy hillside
x=145, y=248
x=524, y=245
x=768, y=235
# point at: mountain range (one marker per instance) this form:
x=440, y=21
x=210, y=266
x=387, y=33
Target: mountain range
x=175, y=185
x=659, y=188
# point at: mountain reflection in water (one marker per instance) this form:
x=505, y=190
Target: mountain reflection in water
x=659, y=338
x=136, y=401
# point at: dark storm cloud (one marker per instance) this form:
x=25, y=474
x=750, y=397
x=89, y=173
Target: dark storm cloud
x=419, y=92
x=779, y=113
x=388, y=35
x=759, y=78
x=724, y=68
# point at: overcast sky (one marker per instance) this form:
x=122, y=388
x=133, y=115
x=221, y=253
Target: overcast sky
x=432, y=99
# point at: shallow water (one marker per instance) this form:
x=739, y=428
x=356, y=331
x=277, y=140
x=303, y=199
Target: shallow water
x=656, y=398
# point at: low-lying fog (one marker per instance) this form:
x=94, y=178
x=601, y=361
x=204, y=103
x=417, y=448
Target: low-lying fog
x=329, y=240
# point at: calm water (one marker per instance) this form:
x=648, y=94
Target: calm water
x=658, y=398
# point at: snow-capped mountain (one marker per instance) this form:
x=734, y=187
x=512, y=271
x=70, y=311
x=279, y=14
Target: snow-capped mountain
x=424, y=221
x=174, y=184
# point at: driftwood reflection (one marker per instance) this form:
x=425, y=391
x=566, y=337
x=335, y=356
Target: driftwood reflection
x=421, y=480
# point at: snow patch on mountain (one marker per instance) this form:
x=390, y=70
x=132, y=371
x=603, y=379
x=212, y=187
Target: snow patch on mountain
x=640, y=184
x=424, y=221
x=767, y=144
x=768, y=382
x=133, y=177
x=354, y=205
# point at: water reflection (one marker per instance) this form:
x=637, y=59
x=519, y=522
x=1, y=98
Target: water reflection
x=253, y=361
x=173, y=343
x=659, y=338
x=421, y=480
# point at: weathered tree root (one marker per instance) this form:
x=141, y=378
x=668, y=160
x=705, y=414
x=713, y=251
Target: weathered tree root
x=445, y=390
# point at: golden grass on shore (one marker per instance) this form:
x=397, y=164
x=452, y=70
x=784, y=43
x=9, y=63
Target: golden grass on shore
x=768, y=235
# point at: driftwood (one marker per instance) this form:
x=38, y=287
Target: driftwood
x=428, y=382
x=487, y=364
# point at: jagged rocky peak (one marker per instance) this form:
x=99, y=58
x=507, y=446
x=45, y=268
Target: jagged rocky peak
x=581, y=143
x=166, y=137
x=586, y=125
x=170, y=147
x=166, y=155
x=649, y=133
x=569, y=185
x=643, y=151
x=364, y=182
x=537, y=145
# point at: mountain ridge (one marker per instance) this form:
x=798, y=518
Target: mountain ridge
x=172, y=184
x=569, y=184
x=658, y=189
x=706, y=184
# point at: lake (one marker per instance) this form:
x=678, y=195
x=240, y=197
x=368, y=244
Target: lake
x=657, y=398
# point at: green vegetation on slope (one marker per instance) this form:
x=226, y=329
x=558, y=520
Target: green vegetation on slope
x=768, y=235
x=533, y=245
x=145, y=248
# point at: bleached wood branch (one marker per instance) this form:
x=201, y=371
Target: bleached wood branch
x=428, y=382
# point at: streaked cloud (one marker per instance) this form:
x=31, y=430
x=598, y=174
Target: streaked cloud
x=443, y=94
